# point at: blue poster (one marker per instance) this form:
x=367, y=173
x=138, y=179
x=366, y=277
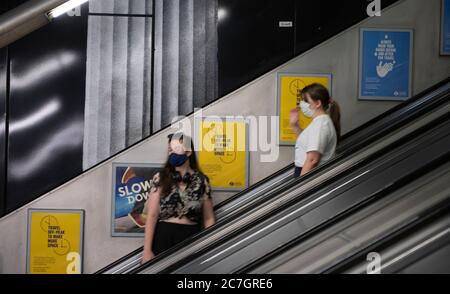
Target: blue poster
x=386, y=64
x=445, y=30
x=130, y=192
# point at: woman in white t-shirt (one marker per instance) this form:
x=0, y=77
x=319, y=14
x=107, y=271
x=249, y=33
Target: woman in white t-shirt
x=317, y=143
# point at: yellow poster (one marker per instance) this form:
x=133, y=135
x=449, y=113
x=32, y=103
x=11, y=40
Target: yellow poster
x=55, y=241
x=223, y=153
x=289, y=97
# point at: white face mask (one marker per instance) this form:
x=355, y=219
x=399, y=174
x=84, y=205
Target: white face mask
x=307, y=111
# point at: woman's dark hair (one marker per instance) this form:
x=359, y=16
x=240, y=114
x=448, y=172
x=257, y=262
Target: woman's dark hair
x=166, y=179
x=318, y=92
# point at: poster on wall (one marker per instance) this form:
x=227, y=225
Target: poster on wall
x=222, y=151
x=445, y=28
x=386, y=57
x=130, y=191
x=55, y=241
x=289, y=91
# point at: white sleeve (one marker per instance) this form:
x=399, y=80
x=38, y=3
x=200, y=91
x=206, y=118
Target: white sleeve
x=317, y=139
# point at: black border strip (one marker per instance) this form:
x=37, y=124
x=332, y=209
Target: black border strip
x=7, y=110
x=119, y=14
x=152, y=77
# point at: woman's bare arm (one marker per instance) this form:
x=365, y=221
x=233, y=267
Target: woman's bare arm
x=209, y=217
x=312, y=161
x=150, y=224
x=293, y=119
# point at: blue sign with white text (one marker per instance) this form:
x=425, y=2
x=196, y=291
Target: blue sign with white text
x=386, y=61
x=445, y=33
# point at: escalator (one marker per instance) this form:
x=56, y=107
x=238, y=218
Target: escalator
x=250, y=209
x=306, y=209
x=246, y=210
x=408, y=226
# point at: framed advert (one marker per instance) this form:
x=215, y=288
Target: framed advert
x=386, y=60
x=222, y=148
x=130, y=191
x=289, y=88
x=55, y=241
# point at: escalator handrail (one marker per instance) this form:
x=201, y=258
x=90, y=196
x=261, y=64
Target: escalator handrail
x=396, y=108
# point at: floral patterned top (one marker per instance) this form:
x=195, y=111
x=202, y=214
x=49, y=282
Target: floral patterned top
x=187, y=203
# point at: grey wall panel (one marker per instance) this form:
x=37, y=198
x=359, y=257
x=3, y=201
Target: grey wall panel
x=120, y=108
x=171, y=61
x=185, y=58
x=157, y=67
x=118, y=89
x=205, y=52
x=148, y=76
x=116, y=125
x=199, y=52
x=186, y=85
x=136, y=83
x=211, y=56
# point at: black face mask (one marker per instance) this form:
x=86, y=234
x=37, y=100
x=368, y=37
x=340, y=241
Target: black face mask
x=177, y=160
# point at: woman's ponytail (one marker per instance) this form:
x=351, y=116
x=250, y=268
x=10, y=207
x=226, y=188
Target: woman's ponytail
x=335, y=114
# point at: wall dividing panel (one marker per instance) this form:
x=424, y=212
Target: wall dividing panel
x=3, y=125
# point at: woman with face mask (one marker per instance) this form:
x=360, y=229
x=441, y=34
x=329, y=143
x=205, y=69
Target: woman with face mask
x=180, y=203
x=317, y=143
